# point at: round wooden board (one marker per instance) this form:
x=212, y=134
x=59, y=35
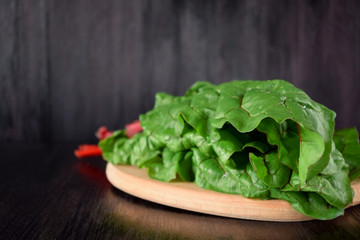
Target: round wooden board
x=188, y=196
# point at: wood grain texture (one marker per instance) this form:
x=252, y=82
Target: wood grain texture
x=46, y=193
x=24, y=86
x=67, y=67
x=188, y=196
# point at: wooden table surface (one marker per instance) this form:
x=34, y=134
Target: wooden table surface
x=46, y=193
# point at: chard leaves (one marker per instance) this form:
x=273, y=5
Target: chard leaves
x=260, y=139
x=347, y=142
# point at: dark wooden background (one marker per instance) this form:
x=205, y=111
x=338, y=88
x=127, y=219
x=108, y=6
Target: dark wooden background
x=67, y=67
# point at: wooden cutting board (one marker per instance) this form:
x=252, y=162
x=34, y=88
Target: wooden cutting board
x=188, y=196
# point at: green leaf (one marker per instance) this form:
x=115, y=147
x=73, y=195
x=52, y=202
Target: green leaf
x=285, y=137
x=114, y=148
x=185, y=167
x=211, y=174
x=270, y=170
x=260, y=139
x=332, y=183
x=230, y=141
x=164, y=168
x=347, y=142
x=309, y=203
x=311, y=149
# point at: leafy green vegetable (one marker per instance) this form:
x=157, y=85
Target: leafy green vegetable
x=347, y=142
x=260, y=139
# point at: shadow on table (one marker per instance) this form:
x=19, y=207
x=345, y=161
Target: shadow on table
x=128, y=217
x=135, y=218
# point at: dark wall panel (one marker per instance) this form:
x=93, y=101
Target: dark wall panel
x=67, y=67
x=24, y=87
